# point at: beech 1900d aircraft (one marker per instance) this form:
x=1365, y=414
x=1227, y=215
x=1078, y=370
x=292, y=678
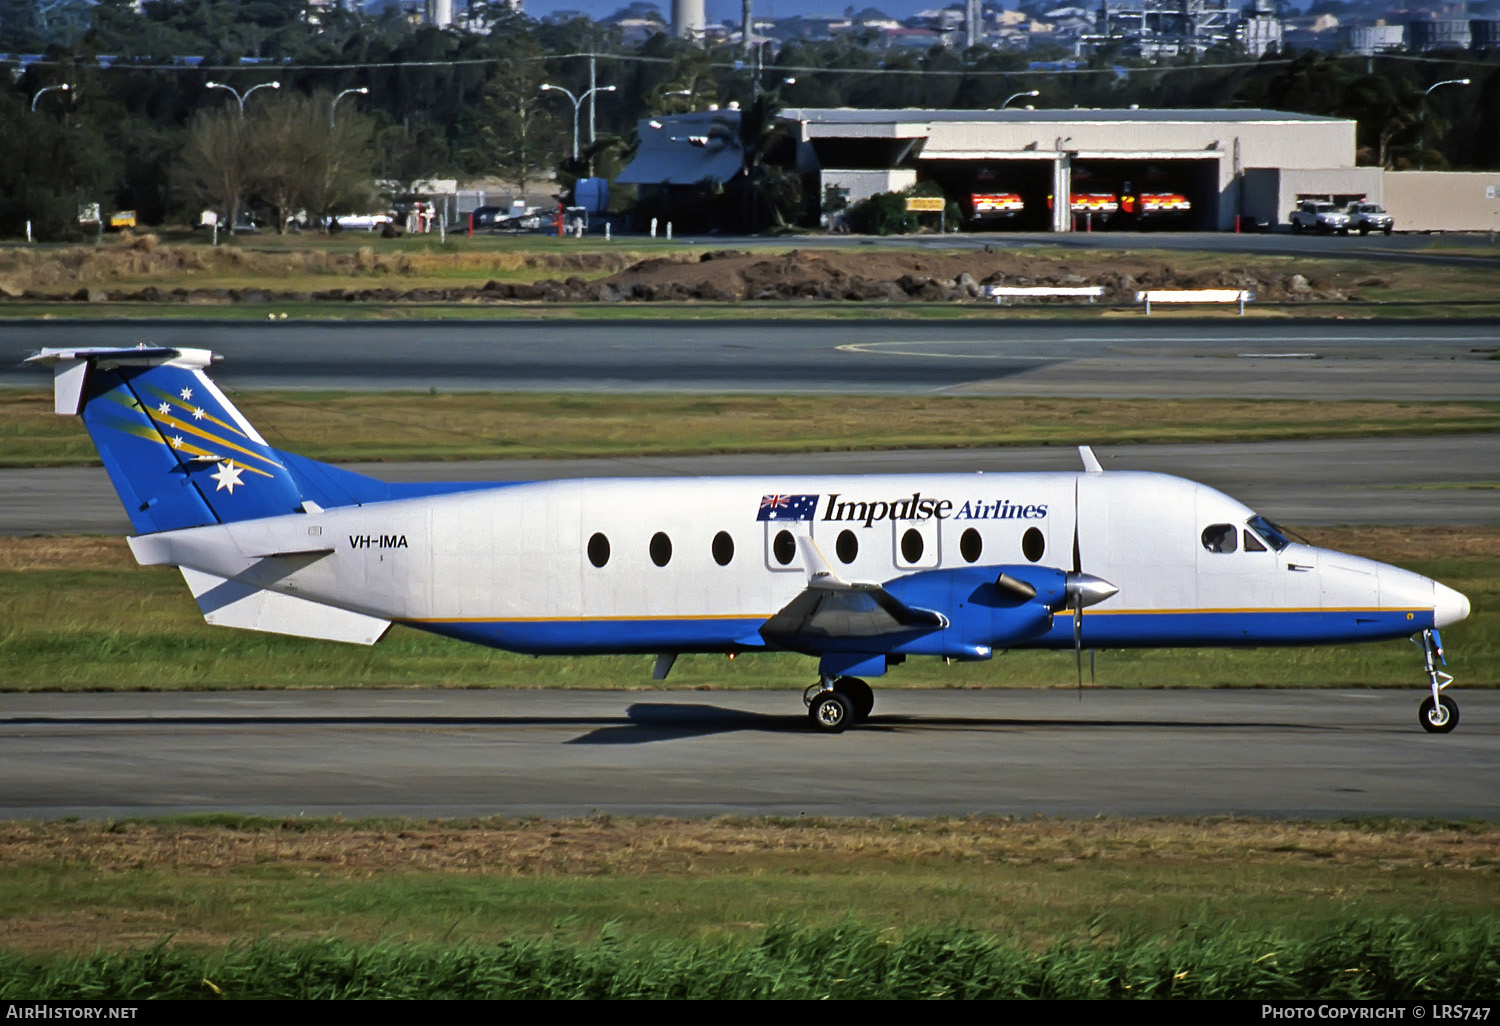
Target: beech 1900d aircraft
x=860, y=572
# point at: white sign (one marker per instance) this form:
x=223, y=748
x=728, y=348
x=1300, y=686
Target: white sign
x=88, y=213
x=1492, y=192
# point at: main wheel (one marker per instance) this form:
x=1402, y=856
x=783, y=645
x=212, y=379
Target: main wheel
x=861, y=696
x=831, y=712
x=1438, y=720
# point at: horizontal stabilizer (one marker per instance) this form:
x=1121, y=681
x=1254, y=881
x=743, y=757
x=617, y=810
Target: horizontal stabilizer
x=229, y=603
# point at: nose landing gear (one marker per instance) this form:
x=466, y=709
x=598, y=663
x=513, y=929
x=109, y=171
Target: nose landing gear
x=836, y=703
x=1439, y=713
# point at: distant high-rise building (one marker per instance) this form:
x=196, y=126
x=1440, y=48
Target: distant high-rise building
x=689, y=19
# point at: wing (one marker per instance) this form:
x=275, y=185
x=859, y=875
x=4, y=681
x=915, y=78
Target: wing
x=829, y=609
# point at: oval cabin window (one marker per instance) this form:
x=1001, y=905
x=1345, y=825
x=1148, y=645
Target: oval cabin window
x=661, y=549
x=783, y=547
x=1033, y=545
x=847, y=546
x=970, y=545
x=912, y=545
x=723, y=548
x=598, y=550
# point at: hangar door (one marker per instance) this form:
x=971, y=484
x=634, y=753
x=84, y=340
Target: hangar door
x=1145, y=193
x=996, y=194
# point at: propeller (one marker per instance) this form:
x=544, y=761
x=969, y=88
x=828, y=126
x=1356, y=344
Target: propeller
x=1081, y=590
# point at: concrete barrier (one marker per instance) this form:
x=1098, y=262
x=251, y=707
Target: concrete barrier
x=1240, y=296
x=1000, y=293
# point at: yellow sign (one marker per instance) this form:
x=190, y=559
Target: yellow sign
x=926, y=204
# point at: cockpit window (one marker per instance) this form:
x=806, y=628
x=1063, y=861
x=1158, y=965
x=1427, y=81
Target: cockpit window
x=1221, y=538
x=1252, y=543
x=1271, y=532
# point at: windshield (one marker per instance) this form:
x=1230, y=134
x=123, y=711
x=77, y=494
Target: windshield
x=1324, y=208
x=1271, y=532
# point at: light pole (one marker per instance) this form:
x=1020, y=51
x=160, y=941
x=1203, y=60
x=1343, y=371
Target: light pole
x=1017, y=96
x=240, y=99
x=1422, y=116
x=362, y=90
x=47, y=89
x=577, y=104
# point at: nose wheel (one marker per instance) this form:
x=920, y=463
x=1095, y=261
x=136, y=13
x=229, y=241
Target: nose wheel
x=835, y=704
x=1438, y=714
x=1438, y=717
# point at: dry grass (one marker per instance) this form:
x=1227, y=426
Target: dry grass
x=610, y=845
x=143, y=260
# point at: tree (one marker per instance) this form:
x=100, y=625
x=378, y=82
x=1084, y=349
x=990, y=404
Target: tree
x=47, y=168
x=300, y=158
x=213, y=167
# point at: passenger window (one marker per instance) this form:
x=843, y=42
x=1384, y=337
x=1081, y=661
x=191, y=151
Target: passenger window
x=723, y=548
x=661, y=549
x=783, y=547
x=598, y=550
x=1033, y=545
x=1220, y=538
x=912, y=545
x=1252, y=543
x=970, y=545
x=847, y=546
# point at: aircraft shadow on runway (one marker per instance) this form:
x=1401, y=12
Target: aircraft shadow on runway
x=668, y=721
x=646, y=722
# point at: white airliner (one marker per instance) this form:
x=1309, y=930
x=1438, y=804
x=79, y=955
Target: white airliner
x=859, y=571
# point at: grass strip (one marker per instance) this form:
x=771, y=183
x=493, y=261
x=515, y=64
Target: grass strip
x=459, y=425
x=210, y=881
x=1368, y=960
x=77, y=614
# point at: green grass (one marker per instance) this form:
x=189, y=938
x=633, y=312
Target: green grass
x=347, y=426
x=127, y=629
x=1427, y=959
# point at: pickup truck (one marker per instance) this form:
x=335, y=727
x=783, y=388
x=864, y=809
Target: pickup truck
x=1318, y=216
x=1369, y=217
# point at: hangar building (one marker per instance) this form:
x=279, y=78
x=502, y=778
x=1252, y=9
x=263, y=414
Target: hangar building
x=1189, y=169
x=1199, y=155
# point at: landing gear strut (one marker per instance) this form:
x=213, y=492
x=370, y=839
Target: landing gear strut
x=1439, y=713
x=837, y=703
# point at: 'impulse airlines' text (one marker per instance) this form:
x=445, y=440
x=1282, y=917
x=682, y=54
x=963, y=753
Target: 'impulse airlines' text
x=919, y=508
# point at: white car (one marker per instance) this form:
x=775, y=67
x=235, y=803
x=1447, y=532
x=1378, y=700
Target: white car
x=361, y=222
x=1319, y=216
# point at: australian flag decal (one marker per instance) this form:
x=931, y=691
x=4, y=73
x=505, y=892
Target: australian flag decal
x=788, y=507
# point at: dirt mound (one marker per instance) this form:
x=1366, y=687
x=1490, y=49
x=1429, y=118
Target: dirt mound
x=856, y=275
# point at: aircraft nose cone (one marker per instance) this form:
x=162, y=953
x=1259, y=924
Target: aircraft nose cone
x=1448, y=606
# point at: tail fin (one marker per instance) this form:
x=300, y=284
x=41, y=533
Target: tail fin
x=178, y=452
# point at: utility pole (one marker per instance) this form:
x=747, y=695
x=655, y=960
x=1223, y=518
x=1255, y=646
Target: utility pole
x=593, y=87
x=746, y=27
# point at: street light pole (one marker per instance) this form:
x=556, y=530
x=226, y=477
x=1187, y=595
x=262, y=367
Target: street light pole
x=1422, y=117
x=1017, y=96
x=47, y=89
x=577, y=105
x=240, y=99
x=362, y=90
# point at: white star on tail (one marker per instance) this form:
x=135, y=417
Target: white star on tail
x=187, y=393
x=228, y=476
x=164, y=408
x=198, y=413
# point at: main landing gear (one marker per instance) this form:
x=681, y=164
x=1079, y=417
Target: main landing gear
x=1439, y=713
x=837, y=703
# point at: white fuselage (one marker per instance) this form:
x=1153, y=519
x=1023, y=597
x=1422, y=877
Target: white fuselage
x=515, y=566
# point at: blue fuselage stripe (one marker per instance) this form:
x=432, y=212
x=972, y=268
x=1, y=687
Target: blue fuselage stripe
x=585, y=636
